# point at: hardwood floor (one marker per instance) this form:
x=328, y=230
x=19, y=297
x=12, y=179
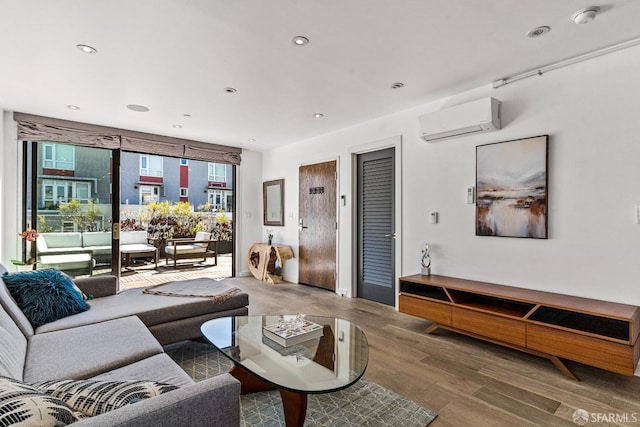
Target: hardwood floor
x=468, y=382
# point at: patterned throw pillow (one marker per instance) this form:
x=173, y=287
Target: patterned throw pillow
x=45, y=295
x=92, y=397
x=23, y=405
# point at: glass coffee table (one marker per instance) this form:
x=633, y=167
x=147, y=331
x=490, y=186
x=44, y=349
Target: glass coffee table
x=331, y=362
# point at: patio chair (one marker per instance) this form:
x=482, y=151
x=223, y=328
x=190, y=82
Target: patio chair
x=201, y=246
x=135, y=244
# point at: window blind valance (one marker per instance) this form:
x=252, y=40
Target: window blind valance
x=142, y=145
x=38, y=128
x=202, y=152
x=32, y=131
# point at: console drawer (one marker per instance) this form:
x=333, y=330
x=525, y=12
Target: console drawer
x=436, y=312
x=496, y=327
x=615, y=357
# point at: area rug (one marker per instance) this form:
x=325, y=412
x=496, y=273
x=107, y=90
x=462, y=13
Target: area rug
x=363, y=404
x=206, y=287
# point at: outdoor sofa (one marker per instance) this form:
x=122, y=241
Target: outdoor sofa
x=120, y=338
x=74, y=251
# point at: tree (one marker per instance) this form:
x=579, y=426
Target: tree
x=85, y=220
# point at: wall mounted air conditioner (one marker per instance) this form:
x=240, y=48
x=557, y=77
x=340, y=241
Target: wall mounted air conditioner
x=479, y=116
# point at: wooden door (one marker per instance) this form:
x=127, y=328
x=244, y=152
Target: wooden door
x=317, y=225
x=376, y=226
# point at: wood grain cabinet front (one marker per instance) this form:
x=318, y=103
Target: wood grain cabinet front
x=499, y=328
x=604, y=354
x=437, y=312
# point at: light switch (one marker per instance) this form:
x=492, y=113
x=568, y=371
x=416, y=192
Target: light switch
x=433, y=217
x=638, y=214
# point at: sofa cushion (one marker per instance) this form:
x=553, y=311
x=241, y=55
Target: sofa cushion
x=137, y=248
x=88, y=350
x=96, y=238
x=9, y=304
x=133, y=237
x=45, y=295
x=196, y=249
x=200, y=236
x=13, y=349
x=159, y=368
x=48, y=241
x=24, y=405
x=92, y=397
x=151, y=309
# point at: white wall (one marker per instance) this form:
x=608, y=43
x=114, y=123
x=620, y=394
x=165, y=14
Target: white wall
x=3, y=205
x=10, y=197
x=591, y=112
x=249, y=208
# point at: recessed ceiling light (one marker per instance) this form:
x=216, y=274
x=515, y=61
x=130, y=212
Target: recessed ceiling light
x=538, y=31
x=177, y=126
x=252, y=140
x=397, y=85
x=318, y=115
x=87, y=49
x=230, y=90
x=73, y=107
x=138, y=108
x=585, y=16
x=300, y=41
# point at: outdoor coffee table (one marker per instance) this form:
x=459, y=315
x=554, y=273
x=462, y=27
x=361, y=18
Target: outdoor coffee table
x=329, y=363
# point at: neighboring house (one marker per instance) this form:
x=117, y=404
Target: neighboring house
x=147, y=178
x=68, y=172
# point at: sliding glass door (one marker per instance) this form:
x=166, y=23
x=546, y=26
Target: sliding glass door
x=69, y=196
x=73, y=198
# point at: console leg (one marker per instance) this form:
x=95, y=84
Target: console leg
x=431, y=328
x=563, y=368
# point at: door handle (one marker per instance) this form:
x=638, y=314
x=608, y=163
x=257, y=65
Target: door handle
x=301, y=225
x=392, y=235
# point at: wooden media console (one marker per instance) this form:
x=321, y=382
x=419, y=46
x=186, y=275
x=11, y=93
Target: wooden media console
x=597, y=333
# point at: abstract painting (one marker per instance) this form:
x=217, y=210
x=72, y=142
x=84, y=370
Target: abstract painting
x=511, y=188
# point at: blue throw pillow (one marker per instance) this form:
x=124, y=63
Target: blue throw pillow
x=45, y=295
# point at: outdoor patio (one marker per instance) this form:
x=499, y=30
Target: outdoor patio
x=144, y=274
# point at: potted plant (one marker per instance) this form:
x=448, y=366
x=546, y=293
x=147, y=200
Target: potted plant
x=29, y=255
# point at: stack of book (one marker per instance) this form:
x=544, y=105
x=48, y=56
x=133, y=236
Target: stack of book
x=286, y=334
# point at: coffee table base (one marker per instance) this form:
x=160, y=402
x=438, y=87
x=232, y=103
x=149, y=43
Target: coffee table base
x=293, y=404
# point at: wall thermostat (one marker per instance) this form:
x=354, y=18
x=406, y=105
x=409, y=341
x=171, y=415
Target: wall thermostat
x=471, y=195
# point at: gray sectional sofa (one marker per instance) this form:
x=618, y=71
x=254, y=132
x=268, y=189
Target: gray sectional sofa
x=120, y=338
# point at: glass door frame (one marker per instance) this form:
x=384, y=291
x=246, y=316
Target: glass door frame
x=34, y=193
x=30, y=178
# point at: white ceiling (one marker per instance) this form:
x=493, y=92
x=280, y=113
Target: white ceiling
x=177, y=56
